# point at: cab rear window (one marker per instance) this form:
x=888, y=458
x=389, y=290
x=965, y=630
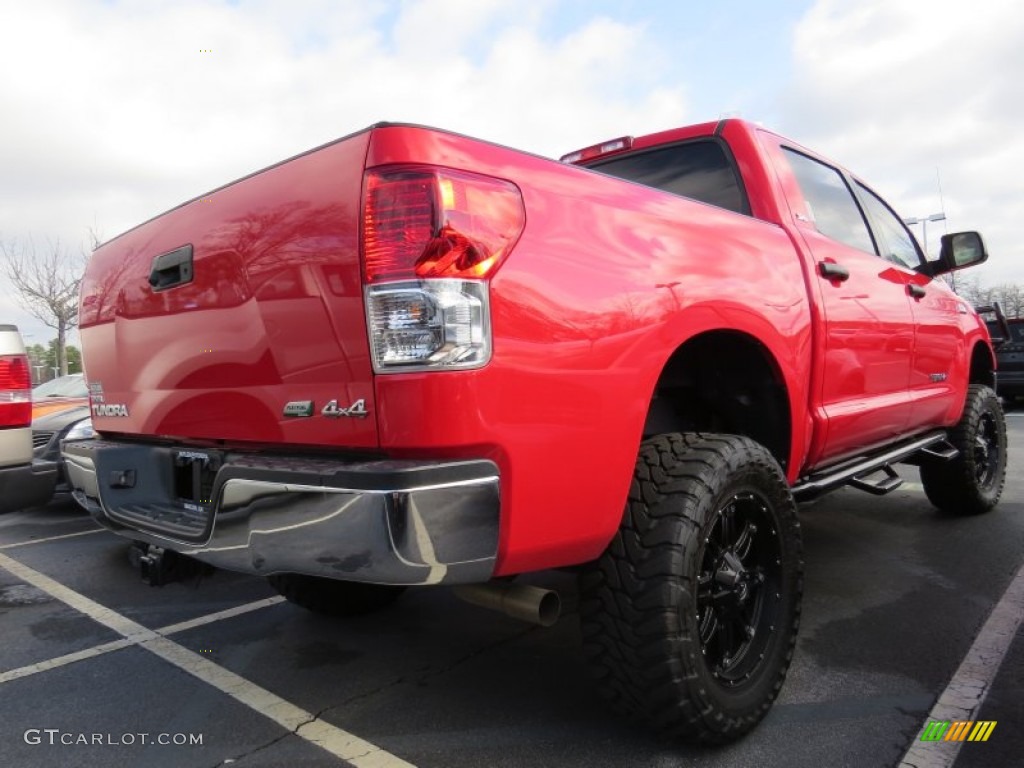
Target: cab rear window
x=701, y=170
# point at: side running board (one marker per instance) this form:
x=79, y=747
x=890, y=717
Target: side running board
x=941, y=451
x=857, y=472
x=879, y=487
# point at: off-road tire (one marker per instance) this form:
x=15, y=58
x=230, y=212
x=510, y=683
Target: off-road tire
x=646, y=601
x=329, y=597
x=972, y=482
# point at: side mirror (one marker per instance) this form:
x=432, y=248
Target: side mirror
x=959, y=251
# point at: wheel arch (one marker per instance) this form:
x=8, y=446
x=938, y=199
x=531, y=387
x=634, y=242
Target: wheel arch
x=726, y=381
x=983, y=365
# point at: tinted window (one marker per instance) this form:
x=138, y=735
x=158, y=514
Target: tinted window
x=830, y=203
x=895, y=242
x=697, y=169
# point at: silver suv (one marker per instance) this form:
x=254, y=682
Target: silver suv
x=23, y=482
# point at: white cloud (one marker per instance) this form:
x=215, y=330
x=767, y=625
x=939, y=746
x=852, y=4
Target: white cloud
x=113, y=112
x=895, y=89
x=116, y=113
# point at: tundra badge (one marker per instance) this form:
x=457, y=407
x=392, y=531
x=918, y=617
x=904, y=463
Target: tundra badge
x=109, y=409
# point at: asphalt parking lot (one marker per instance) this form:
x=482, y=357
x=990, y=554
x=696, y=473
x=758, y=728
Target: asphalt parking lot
x=895, y=597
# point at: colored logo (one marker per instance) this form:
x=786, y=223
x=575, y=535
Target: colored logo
x=298, y=408
x=958, y=730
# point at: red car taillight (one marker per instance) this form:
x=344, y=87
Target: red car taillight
x=434, y=222
x=15, y=391
x=431, y=237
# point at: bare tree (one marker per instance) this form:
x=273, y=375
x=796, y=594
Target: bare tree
x=47, y=281
x=967, y=286
x=1011, y=299
x=1009, y=295
x=955, y=283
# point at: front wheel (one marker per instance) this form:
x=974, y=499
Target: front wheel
x=690, y=616
x=972, y=482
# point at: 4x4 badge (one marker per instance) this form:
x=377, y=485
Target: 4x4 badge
x=357, y=409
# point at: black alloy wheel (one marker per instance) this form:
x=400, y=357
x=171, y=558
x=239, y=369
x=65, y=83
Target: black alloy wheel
x=689, y=618
x=987, y=450
x=972, y=482
x=738, y=588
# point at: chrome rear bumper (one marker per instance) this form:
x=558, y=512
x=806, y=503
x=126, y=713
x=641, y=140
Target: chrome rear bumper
x=384, y=522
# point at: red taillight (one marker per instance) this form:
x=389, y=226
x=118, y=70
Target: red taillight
x=15, y=391
x=437, y=223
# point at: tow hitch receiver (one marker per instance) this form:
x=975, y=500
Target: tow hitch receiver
x=158, y=566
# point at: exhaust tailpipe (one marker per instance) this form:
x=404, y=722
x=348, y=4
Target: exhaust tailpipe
x=520, y=601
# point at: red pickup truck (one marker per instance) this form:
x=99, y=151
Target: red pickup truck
x=409, y=357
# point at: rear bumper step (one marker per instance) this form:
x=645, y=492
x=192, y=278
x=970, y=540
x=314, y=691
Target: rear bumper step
x=384, y=522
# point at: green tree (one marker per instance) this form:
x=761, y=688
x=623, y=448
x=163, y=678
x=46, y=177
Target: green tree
x=37, y=356
x=74, y=357
x=44, y=360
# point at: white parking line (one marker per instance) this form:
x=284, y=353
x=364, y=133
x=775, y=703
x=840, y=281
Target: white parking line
x=68, y=658
x=306, y=725
x=209, y=618
x=51, y=538
x=966, y=692
x=116, y=645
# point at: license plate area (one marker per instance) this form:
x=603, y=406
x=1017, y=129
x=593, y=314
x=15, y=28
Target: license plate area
x=194, y=473
x=162, y=490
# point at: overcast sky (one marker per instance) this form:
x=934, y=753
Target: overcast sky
x=116, y=111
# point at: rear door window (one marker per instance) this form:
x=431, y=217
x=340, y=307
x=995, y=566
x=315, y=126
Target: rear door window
x=830, y=202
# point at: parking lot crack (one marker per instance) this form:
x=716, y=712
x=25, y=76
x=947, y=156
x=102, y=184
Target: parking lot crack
x=427, y=673
x=316, y=718
x=476, y=653
x=420, y=678
x=249, y=753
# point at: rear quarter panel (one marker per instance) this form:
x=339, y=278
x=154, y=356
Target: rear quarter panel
x=608, y=279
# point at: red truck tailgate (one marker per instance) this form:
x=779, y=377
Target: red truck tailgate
x=256, y=318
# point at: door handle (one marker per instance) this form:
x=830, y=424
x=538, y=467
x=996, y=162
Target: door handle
x=833, y=271
x=171, y=269
x=916, y=291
